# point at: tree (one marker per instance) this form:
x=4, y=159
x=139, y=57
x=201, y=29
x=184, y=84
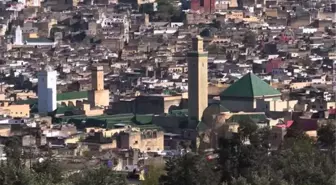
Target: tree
x=48, y=169
x=13, y=152
x=190, y=169
x=250, y=39
x=153, y=174
x=247, y=129
x=260, y=138
x=327, y=134
x=99, y=176
x=167, y=10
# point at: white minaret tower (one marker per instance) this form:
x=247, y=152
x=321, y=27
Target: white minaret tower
x=47, y=90
x=18, y=36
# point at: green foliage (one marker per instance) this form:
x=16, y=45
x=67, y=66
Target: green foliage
x=247, y=129
x=167, y=10
x=100, y=176
x=48, y=169
x=327, y=134
x=13, y=171
x=190, y=169
x=153, y=175
x=250, y=39
x=260, y=138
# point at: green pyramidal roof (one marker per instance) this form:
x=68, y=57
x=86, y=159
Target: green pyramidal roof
x=250, y=86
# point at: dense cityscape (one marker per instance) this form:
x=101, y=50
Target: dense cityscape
x=165, y=92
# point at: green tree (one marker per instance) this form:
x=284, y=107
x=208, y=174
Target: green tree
x=12, y=175
x=49, y=170
x=153, y=174
x=99, y=176
x=167, y=9
x=247, y=129
x=190, y=169
x=250, y=39
x=327, y=134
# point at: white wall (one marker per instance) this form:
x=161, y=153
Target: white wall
x=275, y=105
x=47, y=91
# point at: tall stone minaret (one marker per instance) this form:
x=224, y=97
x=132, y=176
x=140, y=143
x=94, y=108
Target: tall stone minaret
x=197, y=80
x=98, y=96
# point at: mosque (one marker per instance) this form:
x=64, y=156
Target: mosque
x=20, y=41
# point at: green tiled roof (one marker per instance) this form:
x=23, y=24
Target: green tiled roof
x=179, y=112
x=249, y=86
x=256, y=118
x=41, y=40
x=143, y=121
x=63, y=109
x=31, y=102
x=72, y=95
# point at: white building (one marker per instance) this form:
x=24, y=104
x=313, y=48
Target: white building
x=18, y=36
x=19, y=40
x=47, y=90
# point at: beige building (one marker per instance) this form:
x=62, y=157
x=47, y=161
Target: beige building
x=235, y=15
x=98, y=96
x=275, y=105
x=109, y=132
x=197, y=80
x=145, y=141
x=5, y=130
x=299, y=85
x=15, y=111
x=88, y=111
x=271, y=12
x=25, y=95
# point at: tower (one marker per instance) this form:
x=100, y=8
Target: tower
x=98, y=78
x=18, y=36
x=197, y=80
x=98, y=96
x=47, y=90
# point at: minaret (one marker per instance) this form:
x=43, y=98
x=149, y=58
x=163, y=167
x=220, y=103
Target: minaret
x=98, y=96
x=47, y=92
x=98, y=78
x=197, y=80
x=18, y=36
